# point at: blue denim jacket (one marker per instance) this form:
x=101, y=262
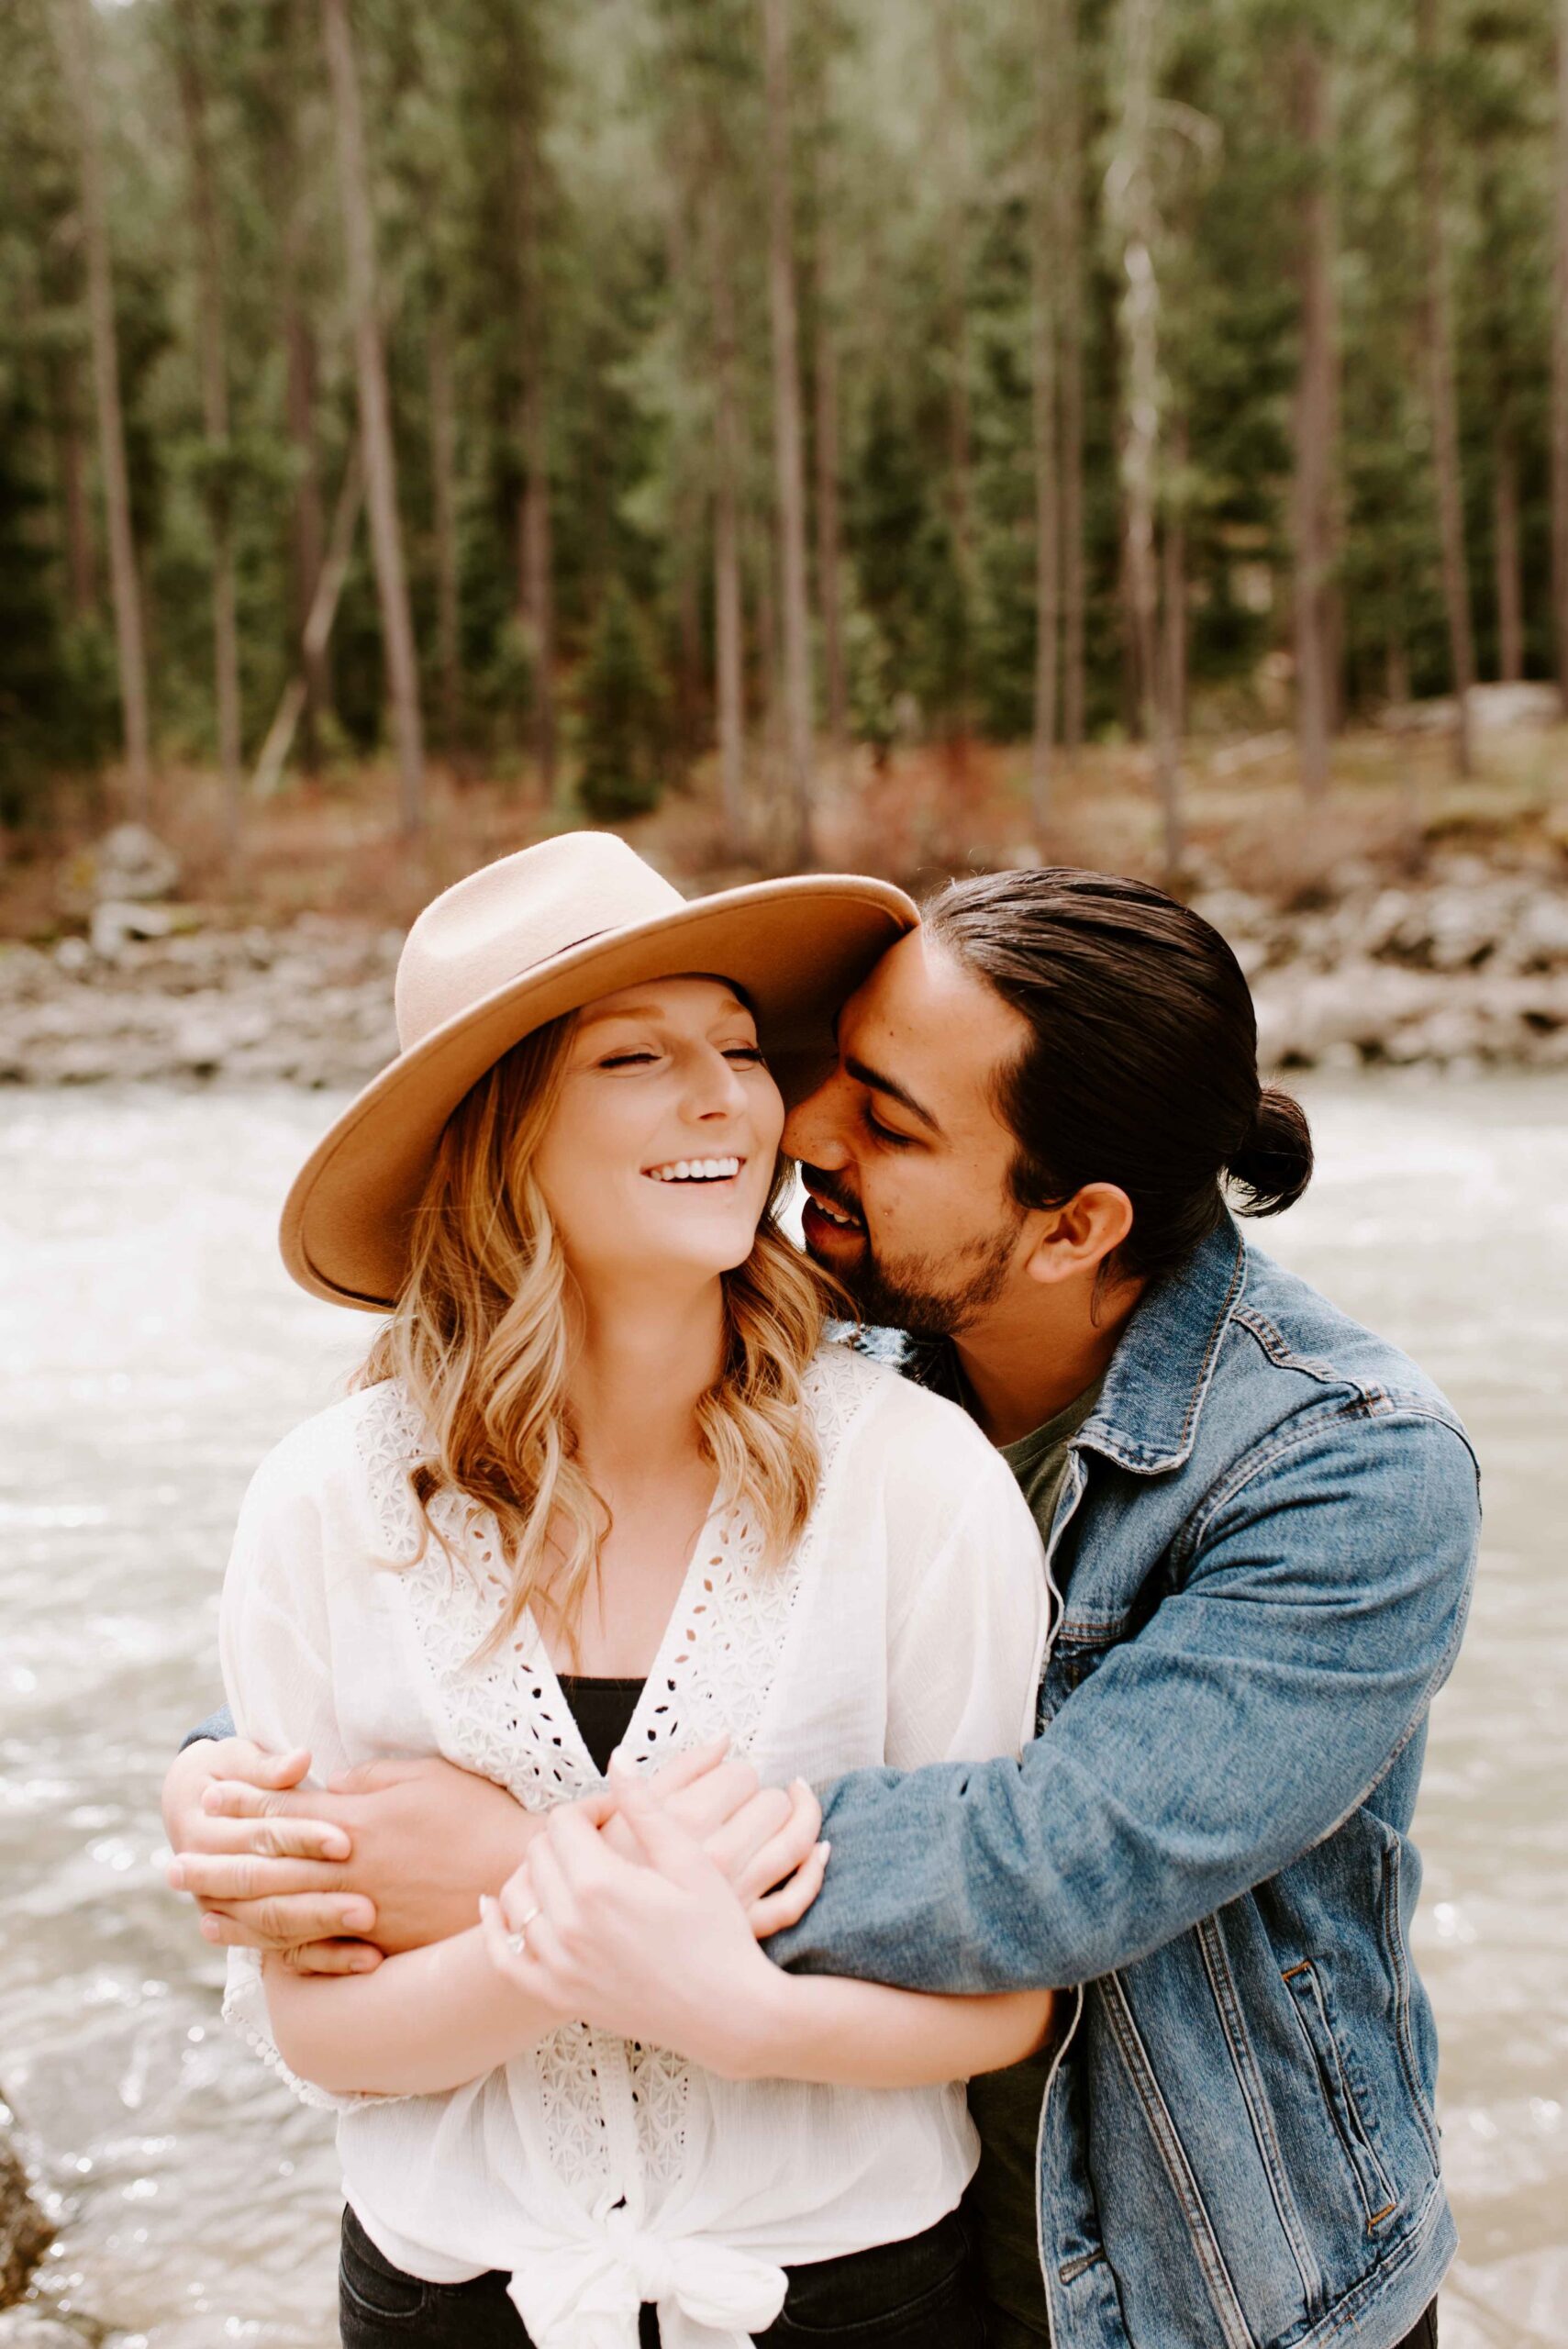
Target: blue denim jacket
x=1264, y=1542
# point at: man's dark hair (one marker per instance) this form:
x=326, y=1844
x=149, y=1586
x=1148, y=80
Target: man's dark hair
x=1141, y=1067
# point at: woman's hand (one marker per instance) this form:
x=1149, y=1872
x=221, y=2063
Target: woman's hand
x=762, y=1840
x=659, y=1949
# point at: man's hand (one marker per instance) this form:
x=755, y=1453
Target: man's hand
x=401, y=1849
x=762, y=1840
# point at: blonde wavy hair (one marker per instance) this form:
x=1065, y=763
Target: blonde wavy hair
x=480, y=1339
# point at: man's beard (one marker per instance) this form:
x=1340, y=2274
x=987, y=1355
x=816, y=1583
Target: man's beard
x=931, y=1296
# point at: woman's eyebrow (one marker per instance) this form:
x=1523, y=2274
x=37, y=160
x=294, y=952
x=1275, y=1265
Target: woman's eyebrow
x=623, y=1011
x=655, y=1011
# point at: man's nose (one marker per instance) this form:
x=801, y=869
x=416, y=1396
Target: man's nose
x=810, y=1131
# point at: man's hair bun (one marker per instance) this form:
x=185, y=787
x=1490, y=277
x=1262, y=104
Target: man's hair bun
x=1274, y=1166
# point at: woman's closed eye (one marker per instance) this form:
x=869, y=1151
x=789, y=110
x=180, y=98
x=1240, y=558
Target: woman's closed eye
x=747, y=1055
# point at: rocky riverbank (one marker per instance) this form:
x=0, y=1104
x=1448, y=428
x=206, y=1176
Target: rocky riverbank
x=1467, y=965
x=25, y=2233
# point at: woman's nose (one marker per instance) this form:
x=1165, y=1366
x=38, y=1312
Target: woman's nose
x=716, y=1090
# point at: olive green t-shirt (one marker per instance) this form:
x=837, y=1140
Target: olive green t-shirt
x=1000, y=2203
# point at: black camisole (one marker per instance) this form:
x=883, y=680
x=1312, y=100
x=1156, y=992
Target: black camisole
x=602, y=1709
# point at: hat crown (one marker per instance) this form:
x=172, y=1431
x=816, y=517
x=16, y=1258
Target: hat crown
x=509, y=918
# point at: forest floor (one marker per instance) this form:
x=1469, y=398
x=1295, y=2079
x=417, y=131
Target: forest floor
x=1410, y=916
x=329, y=845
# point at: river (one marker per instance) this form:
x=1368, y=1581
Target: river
x=155, y=1349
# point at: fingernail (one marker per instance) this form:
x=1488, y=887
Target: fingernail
x=209, y=1929
x=335, y=1847
x=357, y=1917
x=363, y=1961
x=825, y=1849
x=174, y=1876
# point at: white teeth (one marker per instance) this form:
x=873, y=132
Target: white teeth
x=834, y=1214
x=696, y=1170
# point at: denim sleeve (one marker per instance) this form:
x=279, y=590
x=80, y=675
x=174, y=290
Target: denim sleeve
x=1256, y=1710
x=218, y=1724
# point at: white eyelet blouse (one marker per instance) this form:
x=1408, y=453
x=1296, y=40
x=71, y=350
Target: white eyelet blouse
x=908, y=1627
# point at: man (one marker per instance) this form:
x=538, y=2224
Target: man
x=1260, y=1523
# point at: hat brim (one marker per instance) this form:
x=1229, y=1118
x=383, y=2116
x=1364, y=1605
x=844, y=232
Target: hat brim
x=796, y=947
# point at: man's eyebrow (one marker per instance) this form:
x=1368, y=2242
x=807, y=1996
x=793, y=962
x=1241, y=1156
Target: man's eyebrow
x=874, y=1082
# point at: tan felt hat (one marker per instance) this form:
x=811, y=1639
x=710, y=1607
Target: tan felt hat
x=518, y=943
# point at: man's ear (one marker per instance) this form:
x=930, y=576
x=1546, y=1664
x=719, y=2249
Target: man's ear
x=1074, y=1239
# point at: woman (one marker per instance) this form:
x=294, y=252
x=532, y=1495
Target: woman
x=603, y=1485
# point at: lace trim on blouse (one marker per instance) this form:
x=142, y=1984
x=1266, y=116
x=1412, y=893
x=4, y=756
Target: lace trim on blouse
x=504, y=1717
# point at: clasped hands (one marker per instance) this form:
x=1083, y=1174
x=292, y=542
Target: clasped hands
x=619, y=1915
x=394, y=1855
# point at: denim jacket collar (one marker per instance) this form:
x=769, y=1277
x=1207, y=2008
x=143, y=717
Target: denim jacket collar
x=1147, y=1416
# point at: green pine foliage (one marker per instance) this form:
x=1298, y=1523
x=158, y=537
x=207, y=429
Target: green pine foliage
x=622, y=717
x=552, y=185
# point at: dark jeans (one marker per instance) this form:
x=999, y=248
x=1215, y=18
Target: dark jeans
x=914, y=2295
x=1004, y=2331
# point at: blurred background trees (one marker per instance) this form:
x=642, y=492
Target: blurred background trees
x=749, y=380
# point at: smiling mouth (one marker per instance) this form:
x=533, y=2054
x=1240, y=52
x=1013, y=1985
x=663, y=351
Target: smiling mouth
x=840, y=1218
x=696, y=1172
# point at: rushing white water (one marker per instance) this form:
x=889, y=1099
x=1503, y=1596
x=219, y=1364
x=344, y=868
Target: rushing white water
x=156, y=1348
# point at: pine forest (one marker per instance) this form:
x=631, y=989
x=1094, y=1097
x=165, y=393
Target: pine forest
x=597, y=405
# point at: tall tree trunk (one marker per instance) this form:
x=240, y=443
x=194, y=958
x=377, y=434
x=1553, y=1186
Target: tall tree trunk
x=376, y=415
x=729, y=641
x=787, y=456
x=536, y=557
x=306, y=521
x=443, y=478
x=1560, y=373
x=1442, y=391
x=307, y=517
x=81, y=554
x=1137, y=222
x=1044, y=259
x=73, y=20
x=1070, y=305
x=687, y=501
x=215, y=408
x=1506, y=524
x=1313, y=497
x=1173, y=588
x=318, y=631
x=952, y=169
x=829, y=527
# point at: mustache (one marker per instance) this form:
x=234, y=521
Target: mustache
x=830, y=1187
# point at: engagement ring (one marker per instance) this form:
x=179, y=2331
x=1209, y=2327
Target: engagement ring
x=517, y=1942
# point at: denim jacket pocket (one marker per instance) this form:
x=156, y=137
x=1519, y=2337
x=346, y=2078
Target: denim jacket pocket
x=1379, y=2201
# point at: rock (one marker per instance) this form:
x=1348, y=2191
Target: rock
x=34, y=2328
x=25, y=2233
x=1494, y=710
x=133, y=862
x=115, y=919
x=130, y=865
